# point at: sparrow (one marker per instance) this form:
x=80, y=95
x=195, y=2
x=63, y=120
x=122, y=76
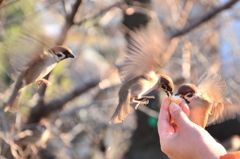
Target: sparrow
x=207, y=100
x=38, y=68
x=144, y=56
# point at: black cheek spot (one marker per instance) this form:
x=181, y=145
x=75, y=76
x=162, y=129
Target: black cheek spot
x=186, y=100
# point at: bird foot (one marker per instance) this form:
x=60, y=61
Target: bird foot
x=39, y=82
x=143, y=102
x=145, y=97
x=149, y=97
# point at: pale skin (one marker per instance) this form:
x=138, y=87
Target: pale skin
x=184, y=139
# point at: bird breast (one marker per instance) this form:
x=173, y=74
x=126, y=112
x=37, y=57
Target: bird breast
x=143, y=86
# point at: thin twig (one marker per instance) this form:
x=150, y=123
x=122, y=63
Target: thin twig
x=5, y=5
x=40, y=109
x=4, y=123
x=29, y=15
x=43, y=110
x=117, y=4
x=69, y=22
x=204, y=18
x=96, y=102
x=58, y=103
x=64, y=7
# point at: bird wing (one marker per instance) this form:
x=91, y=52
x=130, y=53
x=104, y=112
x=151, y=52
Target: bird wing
x=144, y=53
x=226, y=110
x=25, y=48
x=213, y=89
x=22, y=60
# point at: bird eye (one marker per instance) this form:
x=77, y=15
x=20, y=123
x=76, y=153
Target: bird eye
x=59, y=55
x=164, y=86
x=189, y=95
x=169, y=89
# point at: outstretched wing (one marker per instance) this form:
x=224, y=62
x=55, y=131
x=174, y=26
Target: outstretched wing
x=25, y=49
x=213, y=88
x=226, y=110
x=144, y=53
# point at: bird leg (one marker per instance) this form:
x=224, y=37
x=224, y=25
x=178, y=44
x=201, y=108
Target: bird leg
x=144, y=101
x=40, y=81
x=145, y=97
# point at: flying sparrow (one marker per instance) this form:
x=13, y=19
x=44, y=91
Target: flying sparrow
x=207, y=101
x=144, y=56
x=38, y=68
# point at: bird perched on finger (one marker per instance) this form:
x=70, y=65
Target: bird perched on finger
x=207, y=100
x=144, y=56
x=35, y=70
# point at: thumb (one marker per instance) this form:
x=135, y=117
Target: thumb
x=177, y=114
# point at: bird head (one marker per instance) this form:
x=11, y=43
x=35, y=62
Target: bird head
x=61, y=52
x=187, y=91
x=166, y=84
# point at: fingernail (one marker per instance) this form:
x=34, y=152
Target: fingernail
x=174, y=107
x=186, y=106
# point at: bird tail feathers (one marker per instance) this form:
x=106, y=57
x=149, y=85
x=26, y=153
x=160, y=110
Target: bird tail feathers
x=13, y=102
x=122, y=110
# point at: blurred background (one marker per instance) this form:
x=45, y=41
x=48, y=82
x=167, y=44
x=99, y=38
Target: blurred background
x=69, y=119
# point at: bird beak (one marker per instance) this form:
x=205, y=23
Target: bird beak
x=71, y=56
x=177, y=94
x=167, y=93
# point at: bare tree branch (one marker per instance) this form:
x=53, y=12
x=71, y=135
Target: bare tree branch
x=117, y=4
x=28, y=16
x=204, y=18
x=43, y=110
x=96, y=102
x=69, y=22
x=1, y=2
x=58, y=103
x=7, y=4
x=39, y=110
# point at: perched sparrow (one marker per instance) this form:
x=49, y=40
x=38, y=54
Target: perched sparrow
x=207, y=101
x=144, y=56
x=39, y=67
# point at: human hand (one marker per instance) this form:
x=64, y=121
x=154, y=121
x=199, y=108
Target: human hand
x=184, y=139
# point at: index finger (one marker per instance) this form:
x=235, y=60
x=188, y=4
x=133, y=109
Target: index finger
x=163, y=119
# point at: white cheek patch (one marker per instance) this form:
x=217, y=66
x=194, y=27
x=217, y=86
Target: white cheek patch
x=198, y=93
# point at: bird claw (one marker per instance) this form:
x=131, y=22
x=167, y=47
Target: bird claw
x=137, y=106
x=143, y=102
x=39, y=82
x=150, y=97
x=145, y=97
